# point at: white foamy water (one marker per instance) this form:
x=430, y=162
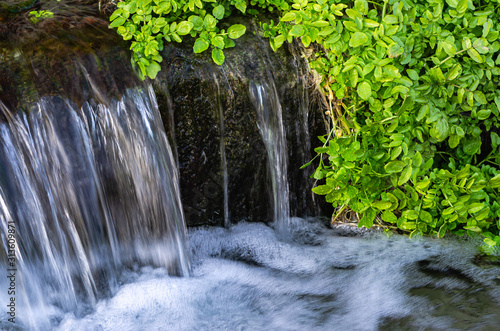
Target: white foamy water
x=245, y=279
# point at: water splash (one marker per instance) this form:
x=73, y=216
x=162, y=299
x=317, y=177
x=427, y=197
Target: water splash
x=269, y=120
x=90, y=189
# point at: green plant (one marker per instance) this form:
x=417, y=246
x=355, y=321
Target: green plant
x=418, y=83
x=148, y=24
x=38, y=15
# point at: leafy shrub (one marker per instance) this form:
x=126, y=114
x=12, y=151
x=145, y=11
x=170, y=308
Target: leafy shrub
x=418, y=83
x=149, y=23
x=415, y=142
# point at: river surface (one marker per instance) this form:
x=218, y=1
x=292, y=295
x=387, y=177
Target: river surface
x=244, y=278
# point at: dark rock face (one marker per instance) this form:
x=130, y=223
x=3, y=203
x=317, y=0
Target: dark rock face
x=72, y=54
x=206, y=109
x=208, y=115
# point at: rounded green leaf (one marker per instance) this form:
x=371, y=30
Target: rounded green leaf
x=184, y=27
x=237, y=30
x=297, y=31
x=389, y=217
x=218, y=12
x=279, y=40
x=364, y=90
x=218, y=42
x=152, y=69
x=197, y=22
x=209, y=22
x=358, y=39
x=322, y=189
x=288, y=17
x=218, y=56
x=200, y=45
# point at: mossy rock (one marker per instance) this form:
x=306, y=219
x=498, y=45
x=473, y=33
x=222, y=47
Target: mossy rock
x=193, y=92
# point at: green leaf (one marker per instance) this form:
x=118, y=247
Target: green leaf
x=358, y=39
x=322, y=189
x=472, y=146
x=475, y=207
x=118, y=22
x=184, y=27
x=218, y=56
x=442, y=129
x=473, y=228
x=454, y=140
x=495, y=140
x=483, y=114
x=279, y=40
x=197, y=22
x=442, y=230
x=218, y=12
x=209, y=22
x=410, y=214
x=176, y=37
x=495, y=182
x=394, y=167
x=412, y=74
x=405, y=175
x=320, y=24
x=425, y=216
x=475, y=55
x=489, y=242
x=200, y=45
x=288, y=17
x=382, y=205
x=480, y=97
x=218, y=42
x=152, y=69
x=481, y=45
x=462, y=6
x=364, y=90
x=389, y=217
x=297, y=31
x=237, y=30
x=241, y=6
x=454, y=72
x=367, y=218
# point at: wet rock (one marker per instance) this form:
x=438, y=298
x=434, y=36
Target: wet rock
x=208, y=113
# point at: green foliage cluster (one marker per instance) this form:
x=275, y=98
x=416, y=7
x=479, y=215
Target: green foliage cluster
x=415, y=142
x=37, y=15
x=418, y=82
x=150, y=23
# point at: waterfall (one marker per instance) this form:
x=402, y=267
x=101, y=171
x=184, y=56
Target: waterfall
x=270, y=122
x=89, y=189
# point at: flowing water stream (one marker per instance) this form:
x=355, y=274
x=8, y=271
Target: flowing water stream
x=90, y=189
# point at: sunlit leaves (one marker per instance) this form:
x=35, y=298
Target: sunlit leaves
x=218, y=56
x=235, y=31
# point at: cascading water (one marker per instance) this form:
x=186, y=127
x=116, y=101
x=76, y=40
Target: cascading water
x=89, y=189
x=270, y=123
